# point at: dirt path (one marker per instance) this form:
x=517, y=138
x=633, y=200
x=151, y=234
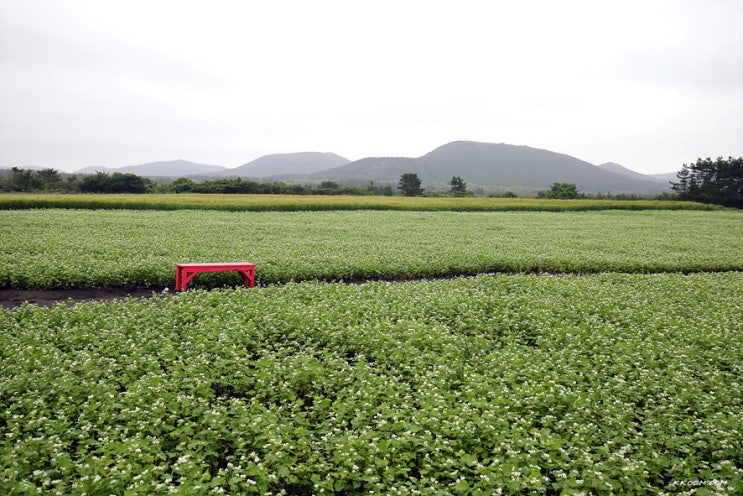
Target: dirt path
x=11, y=298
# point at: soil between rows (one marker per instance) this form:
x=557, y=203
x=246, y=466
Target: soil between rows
x=12, y=298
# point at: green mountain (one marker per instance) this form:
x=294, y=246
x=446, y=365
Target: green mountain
x=170, y=168
x=620, y=169
x=494, y=166
x=279, y=164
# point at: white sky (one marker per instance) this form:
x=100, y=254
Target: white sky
x=649, y=84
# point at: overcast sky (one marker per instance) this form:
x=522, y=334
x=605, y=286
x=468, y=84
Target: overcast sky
x=649, y=84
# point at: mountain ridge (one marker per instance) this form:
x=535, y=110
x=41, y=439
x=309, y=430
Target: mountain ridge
x=498, y=166
x=165, y=168
x=620, y=169
x=495, y=165
x=276, y=164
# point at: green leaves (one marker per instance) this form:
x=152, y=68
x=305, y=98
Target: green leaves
x=610, y=384
x=603, y=384
x=77, y=248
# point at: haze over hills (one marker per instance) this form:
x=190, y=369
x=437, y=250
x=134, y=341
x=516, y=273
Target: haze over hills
x=666, y=176
x=169, y=168
x=620, y=169
x=303, y=163
x=495, y=165
x=285, y=163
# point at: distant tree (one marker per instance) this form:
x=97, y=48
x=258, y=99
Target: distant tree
x=410, y=184
x=182, y=185
x=384, y=190
x=561, y=191
x=95, y=183
x=49, y=176
x=126, y=183
x=719, y=181
x=21, y=179
x=458, y=187
x=118, y=182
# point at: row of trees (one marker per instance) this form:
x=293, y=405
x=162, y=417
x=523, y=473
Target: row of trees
x=712, y=181
x=561, y=191
x=28, y=180
x=239, y=186
x=53, y=180
x=717, y=181
x=101, y=182
x=410, y=185
x=50, y=180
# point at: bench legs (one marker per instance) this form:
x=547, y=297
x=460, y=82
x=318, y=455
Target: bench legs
x=183, y=276
x=248, y=277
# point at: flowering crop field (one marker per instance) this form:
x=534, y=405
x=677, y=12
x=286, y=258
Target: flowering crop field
x=56, y=248
x=605, y=358
x=231, y=202
x=494, y=384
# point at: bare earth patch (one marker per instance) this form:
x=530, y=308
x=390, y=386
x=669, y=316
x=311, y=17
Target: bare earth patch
x=12, y=298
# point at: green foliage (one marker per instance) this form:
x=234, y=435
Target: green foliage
x=83, y=248
x=17, y=179
x=49, y=176
x=496, y=384
x=101, y=182
x=22, y=180
x=509, y=384
x=410, y=184
x=382, y=190
x=243, y=187
x=719, y=181
x=458, y=187
x=117, y=182
x=336, y=201
x=182, y=185
x=561, y=191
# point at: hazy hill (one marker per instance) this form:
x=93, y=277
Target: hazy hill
x=277, y=164
x=667, y=176
x=6, y=173
x=494, y=165
x=620, y=169
x=486, y=165
x=172, y=168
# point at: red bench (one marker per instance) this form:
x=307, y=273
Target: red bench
x=184, y=272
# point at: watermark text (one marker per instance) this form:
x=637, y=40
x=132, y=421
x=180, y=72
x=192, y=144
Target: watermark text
x=699, y=483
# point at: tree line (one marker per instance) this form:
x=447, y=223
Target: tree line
x=51, y=180
x=717, y=181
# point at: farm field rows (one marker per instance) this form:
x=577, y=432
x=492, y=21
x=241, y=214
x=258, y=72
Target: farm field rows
x=495, y=384
x=57, y=248
x=332, y=202
x=590, y=352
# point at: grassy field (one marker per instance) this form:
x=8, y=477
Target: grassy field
x=505, y=384
x=604, y=358
x=82, y=248
x=314, y=203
